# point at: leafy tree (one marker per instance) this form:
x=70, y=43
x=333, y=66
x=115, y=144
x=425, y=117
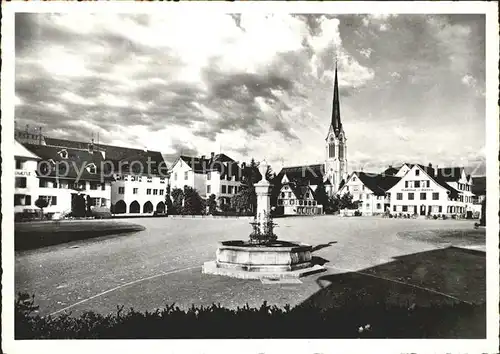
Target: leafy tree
x=345, y=202
x=177, y=196
x=169, y=205
x=42, y=204
x=78, y=205
x=322, y=197
x=482, y=220
x=88, y=202
x=193, y=202
x=224, y=207
x=212, y=204
x=245, y=201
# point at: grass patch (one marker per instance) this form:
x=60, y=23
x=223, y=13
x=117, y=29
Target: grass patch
x=41, y=234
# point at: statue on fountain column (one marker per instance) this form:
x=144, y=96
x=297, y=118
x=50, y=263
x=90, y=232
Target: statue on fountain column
x=263, y=223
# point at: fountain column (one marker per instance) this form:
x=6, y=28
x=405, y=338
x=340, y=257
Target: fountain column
x=262, y=190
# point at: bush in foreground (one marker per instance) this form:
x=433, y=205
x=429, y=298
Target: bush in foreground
x=351, y=321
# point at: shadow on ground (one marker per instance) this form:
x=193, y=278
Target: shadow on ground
x=432, y=279
x=323, y=245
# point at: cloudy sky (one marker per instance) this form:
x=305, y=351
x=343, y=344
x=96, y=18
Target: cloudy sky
x=412, y=87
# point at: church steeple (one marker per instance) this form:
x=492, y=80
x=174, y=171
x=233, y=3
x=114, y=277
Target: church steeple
x=336, y=143
x=336, y=123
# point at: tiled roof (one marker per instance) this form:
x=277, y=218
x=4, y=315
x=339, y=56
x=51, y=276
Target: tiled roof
x=21, y=151
x=379, y=184
x=391, y=171
x=137, y=158
x=76, y=160
x=300, y=191
x=220, y=162
x=450, y=174
x=479, y=185
x=303, y=175
x=440, y=179
x=444, y=175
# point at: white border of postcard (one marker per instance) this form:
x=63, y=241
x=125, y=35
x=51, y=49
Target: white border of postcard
x=489, y=345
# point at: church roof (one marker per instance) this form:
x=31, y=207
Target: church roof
x=303, y=175
x=336, y=122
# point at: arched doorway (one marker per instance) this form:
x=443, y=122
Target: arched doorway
x=160, y=208
x=135, y=208
x=120, y=207
x=148, y=207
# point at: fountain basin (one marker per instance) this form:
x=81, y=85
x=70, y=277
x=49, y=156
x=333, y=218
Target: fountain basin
x=277, y=260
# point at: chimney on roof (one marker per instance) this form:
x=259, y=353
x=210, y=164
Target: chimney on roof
x=40, y=136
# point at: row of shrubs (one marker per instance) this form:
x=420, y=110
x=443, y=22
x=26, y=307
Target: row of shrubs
x=349, y=321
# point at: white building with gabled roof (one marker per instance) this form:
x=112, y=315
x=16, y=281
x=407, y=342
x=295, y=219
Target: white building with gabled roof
x=369, y=191
x=218, y=174
x=424, y=190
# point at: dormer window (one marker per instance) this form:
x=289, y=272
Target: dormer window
x=91, y=168
x=63, y=153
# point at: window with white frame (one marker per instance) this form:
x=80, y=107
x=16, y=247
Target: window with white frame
x=63, y=153
x=91, y=168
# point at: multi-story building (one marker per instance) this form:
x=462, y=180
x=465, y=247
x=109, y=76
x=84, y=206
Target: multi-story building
x=219, y=175
x=139, y=177
x=26, y=182
x=297, y=186
x=64, y=173
x=425, y=190
x=369, y=191
x=298, y=200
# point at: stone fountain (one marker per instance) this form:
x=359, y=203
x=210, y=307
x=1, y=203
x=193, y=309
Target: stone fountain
x=263, y=255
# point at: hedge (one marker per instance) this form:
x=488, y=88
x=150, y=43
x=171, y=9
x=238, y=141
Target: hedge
x=351, y=321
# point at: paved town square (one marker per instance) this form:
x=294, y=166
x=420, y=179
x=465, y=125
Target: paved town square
x=218, y=175
x=162, y=264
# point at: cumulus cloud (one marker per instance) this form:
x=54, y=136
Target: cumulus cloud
x=366, y=52
x=252, y=85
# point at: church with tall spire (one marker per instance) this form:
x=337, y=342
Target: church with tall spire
x=336, y=143
x=298, y=184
